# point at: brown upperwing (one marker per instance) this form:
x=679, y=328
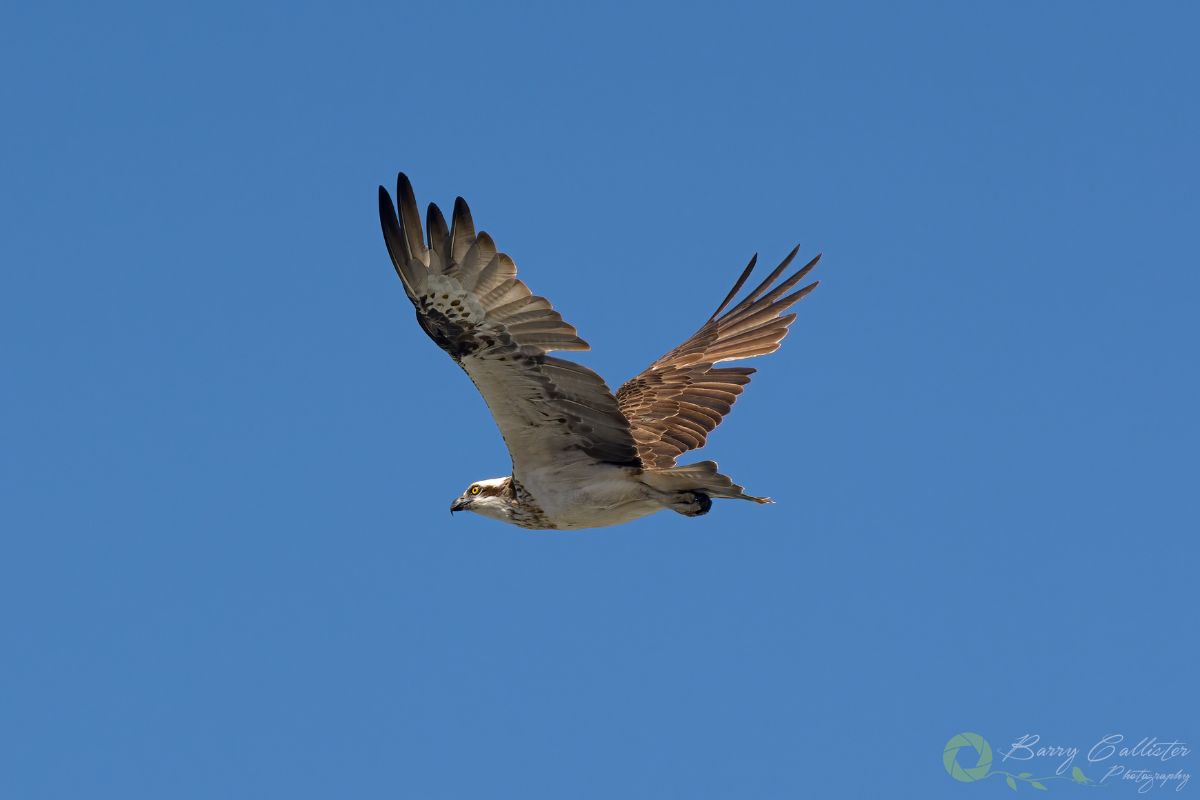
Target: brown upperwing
x=680, y=398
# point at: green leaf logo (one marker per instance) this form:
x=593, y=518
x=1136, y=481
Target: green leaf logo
x=969, y=741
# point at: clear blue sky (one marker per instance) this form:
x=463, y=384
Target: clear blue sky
x=228, y=450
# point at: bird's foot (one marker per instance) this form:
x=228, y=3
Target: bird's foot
x=692, y=504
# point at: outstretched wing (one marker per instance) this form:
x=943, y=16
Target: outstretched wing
x=680, y=398
x=551, y=412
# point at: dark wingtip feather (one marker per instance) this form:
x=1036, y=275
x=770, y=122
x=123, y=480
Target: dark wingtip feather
x=770, y=279
x=807, y=268
x=798, y=295
x=741, y=281
x=462, y=229
x=773, y=296
x=410, y=217
x=385, y=203
x=404, y=185
x=439, y=234
x=393, y=236
x=461, y=209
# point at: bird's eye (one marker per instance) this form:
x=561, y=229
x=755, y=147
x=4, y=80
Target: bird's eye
x=474, y=490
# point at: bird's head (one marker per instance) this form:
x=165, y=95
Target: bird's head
x=490, y=497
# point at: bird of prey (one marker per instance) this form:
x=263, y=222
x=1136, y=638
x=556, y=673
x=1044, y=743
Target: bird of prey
x=582, y=457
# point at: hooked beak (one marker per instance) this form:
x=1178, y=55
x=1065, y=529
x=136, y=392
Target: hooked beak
x=459, y=504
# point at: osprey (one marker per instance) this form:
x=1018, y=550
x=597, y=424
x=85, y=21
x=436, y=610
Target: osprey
x=582, y=457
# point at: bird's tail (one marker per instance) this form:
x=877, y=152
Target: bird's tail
x=698, y=477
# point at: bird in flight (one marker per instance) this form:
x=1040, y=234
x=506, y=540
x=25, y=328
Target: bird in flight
x=582, y=457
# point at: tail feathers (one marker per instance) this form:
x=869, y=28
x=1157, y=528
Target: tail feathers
x=699, y=477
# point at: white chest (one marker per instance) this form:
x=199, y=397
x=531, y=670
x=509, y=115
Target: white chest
x=591, y=496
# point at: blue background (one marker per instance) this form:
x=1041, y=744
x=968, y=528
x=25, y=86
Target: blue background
x=227, y=449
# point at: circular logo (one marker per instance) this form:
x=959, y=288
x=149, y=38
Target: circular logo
x=968, y=773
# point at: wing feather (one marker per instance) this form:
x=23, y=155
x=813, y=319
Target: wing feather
x=439, y=237
x=678, y=400
x=551, y=412
x=410, y=218
x=479, y=255
x=462, y=231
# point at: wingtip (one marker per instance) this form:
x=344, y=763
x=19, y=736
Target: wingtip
x=741, y=281
x=404, y=191
x=385, y=201
x=438, y=233
x=409, y=218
